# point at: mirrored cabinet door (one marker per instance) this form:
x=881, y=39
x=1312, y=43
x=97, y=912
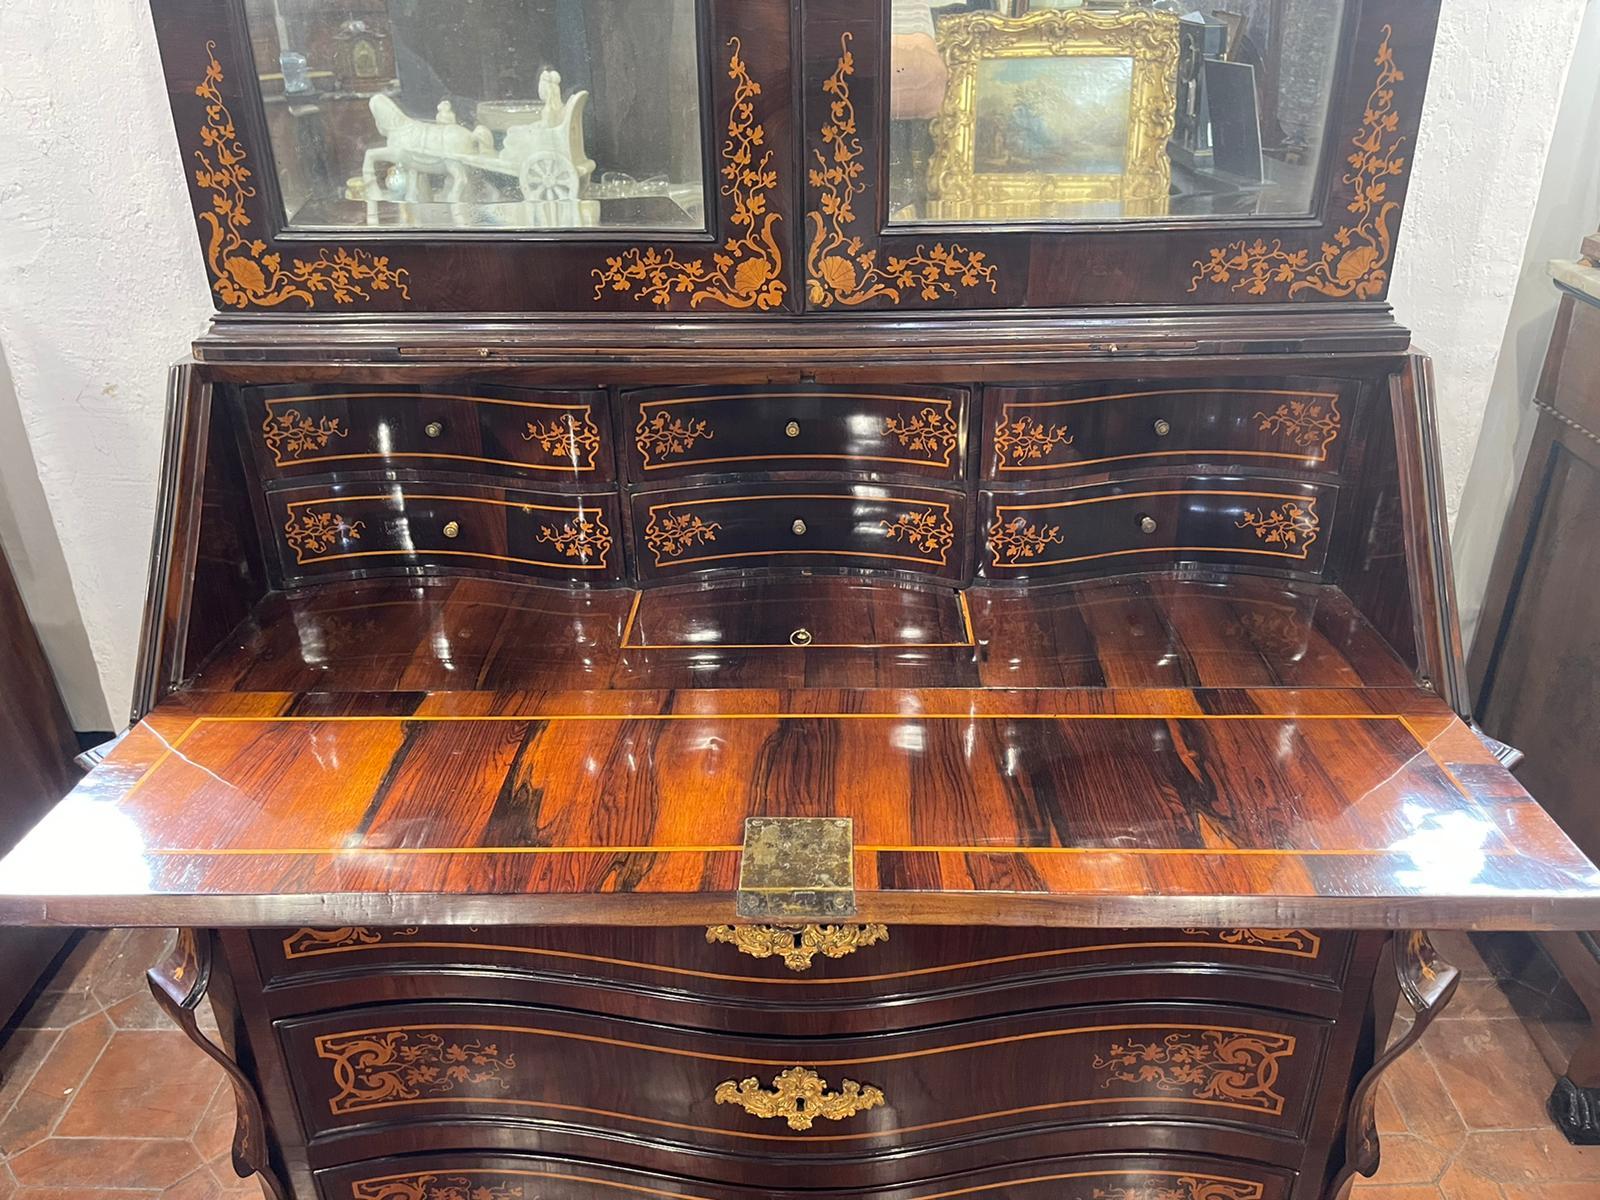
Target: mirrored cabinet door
x=501, y=114
x=1121, y=110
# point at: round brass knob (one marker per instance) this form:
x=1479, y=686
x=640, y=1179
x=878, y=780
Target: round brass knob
x=452, y=529
x=792, y=429
x=799, y=527
x=800, y=637
x=1162, y=427
x=433, y=429
x=1147, y=524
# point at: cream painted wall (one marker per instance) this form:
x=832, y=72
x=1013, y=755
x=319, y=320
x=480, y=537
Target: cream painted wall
x=101, y=284
x=101, y=288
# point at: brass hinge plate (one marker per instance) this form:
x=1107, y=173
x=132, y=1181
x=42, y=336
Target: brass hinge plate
x=797, y=868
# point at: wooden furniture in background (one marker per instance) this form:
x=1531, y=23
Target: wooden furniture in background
x=1536, y=660
x=37, y=747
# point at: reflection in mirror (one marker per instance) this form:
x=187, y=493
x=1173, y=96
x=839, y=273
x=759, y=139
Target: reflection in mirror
x=1107, y=110
x=532, y=114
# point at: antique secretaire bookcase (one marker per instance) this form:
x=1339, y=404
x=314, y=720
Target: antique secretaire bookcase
x=800, y=598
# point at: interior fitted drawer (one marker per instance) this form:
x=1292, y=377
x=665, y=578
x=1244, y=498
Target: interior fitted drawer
x=1035, y=434
x=1185, y=1064
x=561, y=438
x=345, y=527
x=507, y=1176
x=1137, y=525
x=700, y=431
x=779, y=979
x=801, y=525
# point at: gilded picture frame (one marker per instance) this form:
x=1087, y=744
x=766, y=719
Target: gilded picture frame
x=1054, y=108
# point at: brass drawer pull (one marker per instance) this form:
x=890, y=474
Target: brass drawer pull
x=797, y=945
x=792, y=429
x=1147, y=524
x=800, y=637
x=1162, y=427
x=452, y=529
x=799, y=527
x=799, y=1095
x=433, y=429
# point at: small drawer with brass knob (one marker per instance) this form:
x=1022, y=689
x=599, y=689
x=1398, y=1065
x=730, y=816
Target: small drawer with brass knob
x=811, y=525
x=1273, y=523
x=442, y=525
x=681, y=432
x=1032, y=435
x=560, y=439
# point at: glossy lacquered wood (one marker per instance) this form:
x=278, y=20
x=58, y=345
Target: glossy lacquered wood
x=645, y=1092
x=1274, y=523
x=1086, y=1177
x=680, y=432
x=1034, y=435
x=1333, y=808
x=541, y=438
x=351, y=527
x=890, y=527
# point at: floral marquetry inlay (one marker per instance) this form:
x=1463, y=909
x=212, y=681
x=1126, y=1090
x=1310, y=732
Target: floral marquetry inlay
x=840, y=267
x=746, y=272
x=926, y=530
x=1231, y=1067
x=290, y=433
x=1301, y=942
x=1025, y=440
x=481, y=1185
x=800, y=1096
x=1290, y=525
x=243, y=271
x=932, y=431
x=567, y=437
x=1356, y=261
x=303, y=943
x=310, y=534
x=387, y=1066
x=660, y=436
x=1015, y=541
x=1309, y=424
x=670, y=534
x=581, y=538
x=1181, y=1187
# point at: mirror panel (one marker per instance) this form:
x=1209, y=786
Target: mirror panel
x=462, y=114
x=1007, y=111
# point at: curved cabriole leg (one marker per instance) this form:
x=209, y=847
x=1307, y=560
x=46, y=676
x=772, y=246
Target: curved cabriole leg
x=179, y=983
x=1427, y=983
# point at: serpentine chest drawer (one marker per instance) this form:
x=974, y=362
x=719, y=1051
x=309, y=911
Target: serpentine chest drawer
x=802, y=599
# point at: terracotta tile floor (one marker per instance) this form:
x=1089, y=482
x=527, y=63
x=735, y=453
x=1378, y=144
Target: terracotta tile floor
x=83, y=1116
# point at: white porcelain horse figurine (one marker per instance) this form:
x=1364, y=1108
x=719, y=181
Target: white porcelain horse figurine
x=423, y=149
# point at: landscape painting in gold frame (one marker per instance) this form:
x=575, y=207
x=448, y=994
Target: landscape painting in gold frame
x=1052, y=110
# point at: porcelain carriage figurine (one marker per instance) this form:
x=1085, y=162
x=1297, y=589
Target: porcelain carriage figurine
x=544, y=155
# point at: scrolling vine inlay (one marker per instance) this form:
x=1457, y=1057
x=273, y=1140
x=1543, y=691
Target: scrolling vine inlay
x=1356, y=261
x=243, y=271
x=582, y=538
x=1024, y=439
x=1015, y=541
x=566, y=437
x=669, y=535
x=303, y=943
x=1229, y=1066
x=1184, y=1187
x=1289, y=525
x=840, y=267
x=926, y=530
x=290, y=434
x=437, y=1187
x=1306, y=423
x=311, y=534
x=747, y=271
x=385, y=1066
x=663, y=437
x=1300, y=942
x=932, y=432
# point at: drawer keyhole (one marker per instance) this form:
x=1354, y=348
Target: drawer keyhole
x=1147, y=524
x=799, y=527
x=1162, y=427
x=434, y=429
x=792, y=429
x=452, y=529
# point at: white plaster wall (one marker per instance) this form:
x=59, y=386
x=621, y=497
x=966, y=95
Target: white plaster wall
x=1499, y=70
x=1568, y=209
x=101, y=283
x=101, y=288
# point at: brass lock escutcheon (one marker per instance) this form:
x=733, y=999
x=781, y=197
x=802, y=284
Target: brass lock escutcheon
x=797, y=945
x=800, y=1096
